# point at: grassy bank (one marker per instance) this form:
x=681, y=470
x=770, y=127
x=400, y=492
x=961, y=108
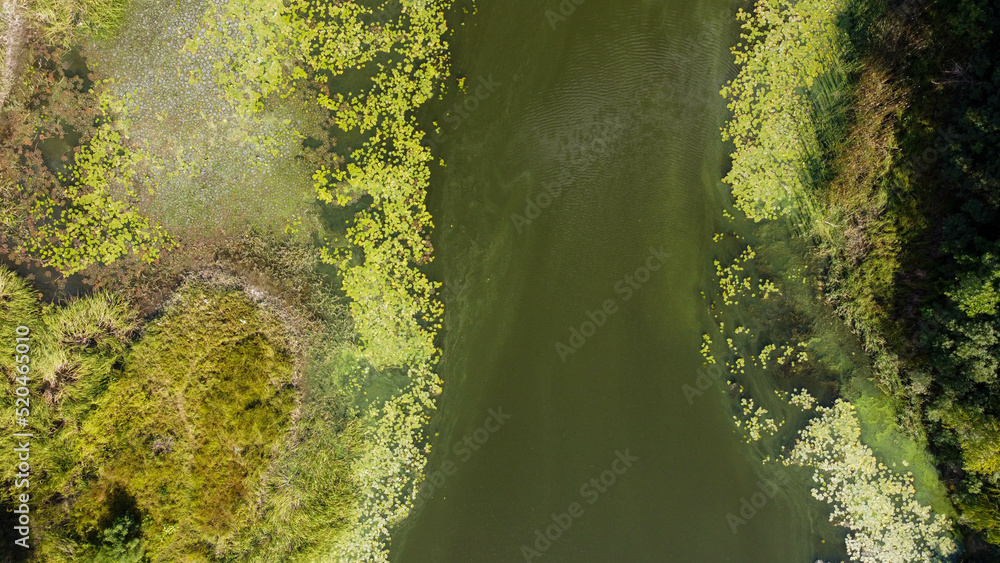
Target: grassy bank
x=150, y=439
x=226, y=427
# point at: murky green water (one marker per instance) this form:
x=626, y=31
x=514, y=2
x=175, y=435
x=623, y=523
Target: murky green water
x=574, y=224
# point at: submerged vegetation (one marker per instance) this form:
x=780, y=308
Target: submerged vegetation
x=868, y=498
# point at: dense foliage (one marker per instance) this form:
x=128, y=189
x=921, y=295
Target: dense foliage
x=153, y=448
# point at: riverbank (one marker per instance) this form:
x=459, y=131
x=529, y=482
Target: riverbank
x=100, y=194
x=893, y=197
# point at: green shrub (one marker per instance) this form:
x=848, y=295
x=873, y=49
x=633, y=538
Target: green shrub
x=154, y=449
x=122, y=543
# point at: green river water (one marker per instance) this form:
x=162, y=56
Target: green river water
x=582, y=186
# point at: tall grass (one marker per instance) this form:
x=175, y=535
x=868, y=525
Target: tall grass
x=189, y=425
x=18, y=304
x=163, y=447
x=61, y=22
x=308, y=500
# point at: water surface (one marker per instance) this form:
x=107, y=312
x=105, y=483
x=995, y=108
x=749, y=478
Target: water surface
x=582, y=186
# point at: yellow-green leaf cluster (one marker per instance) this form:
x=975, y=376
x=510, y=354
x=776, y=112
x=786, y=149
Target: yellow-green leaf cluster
x=89, y=225
x=785, y=46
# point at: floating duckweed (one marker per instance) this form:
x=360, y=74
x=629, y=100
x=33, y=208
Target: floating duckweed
x=92, y=225
x=730, y=281
x=765, y=353
x=876, y=504
x=754, y=421
x=768, y=287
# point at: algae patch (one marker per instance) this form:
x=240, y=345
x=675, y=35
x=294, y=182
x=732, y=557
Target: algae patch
x=215, y=168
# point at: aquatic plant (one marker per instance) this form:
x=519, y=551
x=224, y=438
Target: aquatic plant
x=764, y=354
x=731, y=283
x=392, y=302
x=89, y=225
x=785, y=47
x=706, y=348
x=887, y=524
x=390, y=471
x=754, y=422
x=163, y=442
x=802, y=399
